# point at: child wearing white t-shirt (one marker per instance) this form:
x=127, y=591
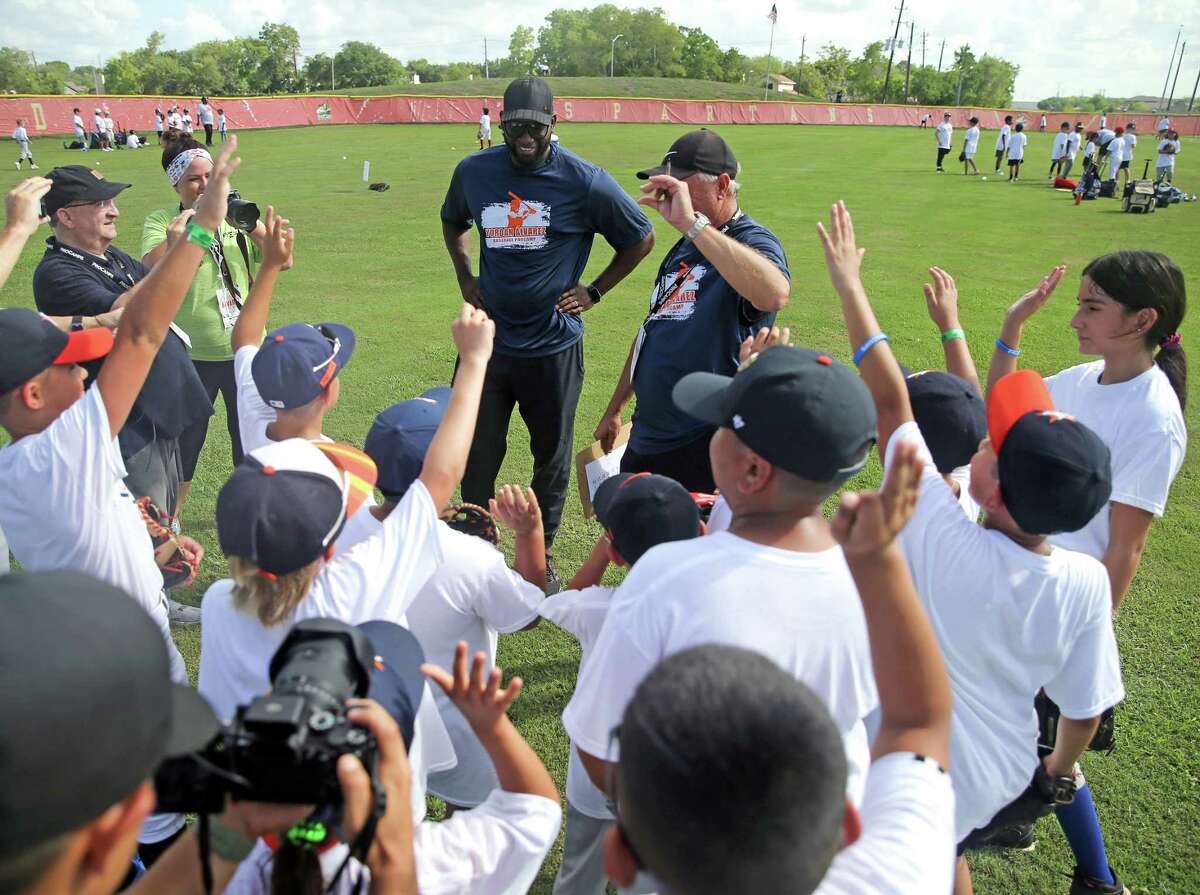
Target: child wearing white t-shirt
x=1002, y=141
x=1074, y=138
x=485, y=129
x=944, y=134
x=970, y=146
x=21, y=136
x=1058, y=152
x=1011, y=613
x=1016, y=152
x=1168, y=149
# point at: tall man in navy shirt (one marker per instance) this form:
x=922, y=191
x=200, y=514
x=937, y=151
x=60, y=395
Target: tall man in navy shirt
x=723, y=280
x=537, y=207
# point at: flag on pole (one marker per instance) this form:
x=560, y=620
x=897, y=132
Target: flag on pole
x=773, y=15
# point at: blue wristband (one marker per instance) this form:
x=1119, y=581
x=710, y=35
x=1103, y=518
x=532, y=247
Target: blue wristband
x=1008, y=349
x=868, y=345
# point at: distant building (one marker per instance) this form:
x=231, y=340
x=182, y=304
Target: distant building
x=780, y=83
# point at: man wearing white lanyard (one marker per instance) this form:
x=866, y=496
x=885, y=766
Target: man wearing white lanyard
x=721, y=282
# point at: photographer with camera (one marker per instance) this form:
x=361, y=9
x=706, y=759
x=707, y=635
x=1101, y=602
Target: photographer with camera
x=218, y=289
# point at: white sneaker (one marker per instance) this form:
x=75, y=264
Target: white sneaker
x=182, y=615
x=18, y=164
x=33, y=166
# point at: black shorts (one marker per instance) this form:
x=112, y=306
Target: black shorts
x=1124, y=166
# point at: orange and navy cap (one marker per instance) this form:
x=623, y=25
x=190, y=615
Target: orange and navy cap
x=298, y=361
x=29, y=343
x=287, y=502
x=1055, y=473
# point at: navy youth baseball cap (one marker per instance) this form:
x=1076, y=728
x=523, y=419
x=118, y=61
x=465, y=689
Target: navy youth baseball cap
x=528, y=99
x=286, y=504
x=701, y=150
x=400, y=437
x=89, y=705
x=298, y=361
x=641, y=511
x=29, y=344
x=396, y=680
x=1055, y=473
x=950, y=414
x=800, y=409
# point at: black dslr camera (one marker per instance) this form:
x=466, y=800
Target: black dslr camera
x=284, y=747
x=241, y=214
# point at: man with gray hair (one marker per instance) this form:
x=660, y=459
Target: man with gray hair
x=721, y=282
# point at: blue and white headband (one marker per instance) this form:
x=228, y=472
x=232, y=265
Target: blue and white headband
x=179, y=164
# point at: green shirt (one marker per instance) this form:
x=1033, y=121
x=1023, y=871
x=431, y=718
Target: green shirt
x=200, y=314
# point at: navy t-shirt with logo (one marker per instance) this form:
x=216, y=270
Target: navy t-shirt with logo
x=697, y=322
x=535, y=231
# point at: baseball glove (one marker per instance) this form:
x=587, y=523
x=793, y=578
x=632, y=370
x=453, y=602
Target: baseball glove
x=176, y=563
x=472, y=519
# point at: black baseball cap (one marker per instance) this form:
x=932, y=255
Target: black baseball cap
x=800, y=409
x=1055, y=473
x=528, y=99
x=298, y=361
x=287, y=502
x=703, y=150
x=400, y=437
x=29, y=343
x=88, y=704
x=641, y=511
x=78, y=185
x=950, y=414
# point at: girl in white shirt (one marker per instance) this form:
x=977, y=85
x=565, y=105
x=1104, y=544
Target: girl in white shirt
x=1002, y=141
x=969, y=147
x=1131, y=306
x=1016, y=152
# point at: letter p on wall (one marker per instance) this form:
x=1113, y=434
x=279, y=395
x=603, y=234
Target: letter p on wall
x=616, y=109
x=568, y=110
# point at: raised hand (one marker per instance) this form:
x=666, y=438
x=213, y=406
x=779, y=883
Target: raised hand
x=762, y=340
x=177, y=229
x=517, y=508
x=1031, y=302
x=473, y=333
x=868, y=521
x=479, y=697
x=843, y=257
x=23, y=206
x=670, y=198
x=941, y=299
x=213, y=205
x=280, y=238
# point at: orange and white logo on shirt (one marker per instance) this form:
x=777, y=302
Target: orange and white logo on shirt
x=674, y=298
x=516, y=224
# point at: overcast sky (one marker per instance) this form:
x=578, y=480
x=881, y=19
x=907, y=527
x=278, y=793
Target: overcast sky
x=1119, y=46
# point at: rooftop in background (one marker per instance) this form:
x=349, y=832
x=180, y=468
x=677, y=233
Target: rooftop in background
x=664, y=88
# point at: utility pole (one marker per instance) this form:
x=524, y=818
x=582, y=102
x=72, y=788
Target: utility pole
x=1171, y=65
x=803, y=40
x=887, y=79
x=924, y=35
x=940, y=52
x=485, y=58
x=332, y=73
x=1178, y=65
x=908, y=65
x=1192, y=101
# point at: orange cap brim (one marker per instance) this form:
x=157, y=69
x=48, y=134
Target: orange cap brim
x=359, y=470
x=1010, y=399
x=85, y=345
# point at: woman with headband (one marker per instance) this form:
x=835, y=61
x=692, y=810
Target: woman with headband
x=211, y=308
x=1131, y=306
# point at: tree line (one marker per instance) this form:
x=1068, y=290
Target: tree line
x=570, y=43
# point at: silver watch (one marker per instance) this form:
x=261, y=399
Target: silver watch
x=702, y=221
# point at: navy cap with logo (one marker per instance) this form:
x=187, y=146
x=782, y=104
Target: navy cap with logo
x=528, y=99
x=298, y=361
x=285, y=505
x=400, y=437
x=1055, y=473
x=799, y=409
x=29, y=344
x=950, y=414
x=703, y=150
x=89, y=706
x=641, y=511
x=396, y=680
x=78, y=185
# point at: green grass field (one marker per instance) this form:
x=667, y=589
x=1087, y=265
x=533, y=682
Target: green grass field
x=376, y=261
x=674, y=88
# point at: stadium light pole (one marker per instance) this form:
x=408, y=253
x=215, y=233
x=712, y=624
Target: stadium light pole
x=612, y=55
x=1170, y=65
x=1195, y=86
x=887, y=78
x=1178, y=65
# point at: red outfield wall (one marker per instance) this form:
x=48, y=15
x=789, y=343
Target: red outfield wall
x=52, y=114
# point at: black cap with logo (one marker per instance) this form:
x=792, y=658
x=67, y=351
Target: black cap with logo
x=89, y=706
x=641, y=511
x=78, y=185
x=702, y=151
x=528, y=99
x=800, y=409
x=950, y=414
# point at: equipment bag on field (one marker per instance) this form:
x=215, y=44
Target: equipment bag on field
x=1139, y=195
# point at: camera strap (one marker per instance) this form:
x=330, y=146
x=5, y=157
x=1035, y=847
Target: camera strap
x=362, y=842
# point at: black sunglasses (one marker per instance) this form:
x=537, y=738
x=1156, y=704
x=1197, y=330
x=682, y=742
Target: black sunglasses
x=516, y=129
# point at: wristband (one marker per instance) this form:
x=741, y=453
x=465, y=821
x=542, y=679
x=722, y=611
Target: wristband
x=1008, y=349
x=951, y=334
x=200, y=236
x=227, y=843
x=868, y=345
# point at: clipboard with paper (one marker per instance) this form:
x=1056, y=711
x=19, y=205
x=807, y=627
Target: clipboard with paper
x=593, y=466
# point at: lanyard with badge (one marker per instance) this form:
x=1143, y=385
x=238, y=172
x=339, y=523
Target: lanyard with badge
x=229, y=296
x=125, y=280
x=665, y=289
